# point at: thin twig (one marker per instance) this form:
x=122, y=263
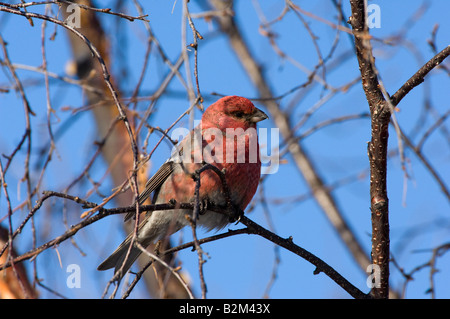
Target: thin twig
x=419, y=76
x=85, y=7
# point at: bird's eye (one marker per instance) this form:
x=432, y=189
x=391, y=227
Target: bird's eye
x=239, y=114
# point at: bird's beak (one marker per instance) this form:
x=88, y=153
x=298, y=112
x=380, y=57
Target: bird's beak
x=258, y=116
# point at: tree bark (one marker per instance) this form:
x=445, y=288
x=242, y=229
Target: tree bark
x=377, y=149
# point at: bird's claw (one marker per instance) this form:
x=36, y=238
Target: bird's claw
x=235, y=214
x=203, y=205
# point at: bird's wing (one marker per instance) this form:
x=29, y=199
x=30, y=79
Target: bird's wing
x=154, y=183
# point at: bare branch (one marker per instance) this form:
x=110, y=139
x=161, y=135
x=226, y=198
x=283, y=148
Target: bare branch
x=419, y=76
x=377, y=147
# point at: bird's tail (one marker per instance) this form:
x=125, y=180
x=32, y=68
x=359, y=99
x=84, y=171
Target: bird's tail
x=121, y=259
x=117, y=258
x=152, y=228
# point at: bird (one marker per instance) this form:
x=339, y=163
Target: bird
x=225, y=138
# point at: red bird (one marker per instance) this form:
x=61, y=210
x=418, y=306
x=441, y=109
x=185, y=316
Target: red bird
x=226, y=138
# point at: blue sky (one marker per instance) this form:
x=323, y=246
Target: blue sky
x=242, y=266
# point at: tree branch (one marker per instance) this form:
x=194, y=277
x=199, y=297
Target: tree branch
x=377, y=147
x=381, y=107
x=419, y=76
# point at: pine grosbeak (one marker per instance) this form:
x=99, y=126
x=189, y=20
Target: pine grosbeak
x=226, y=138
